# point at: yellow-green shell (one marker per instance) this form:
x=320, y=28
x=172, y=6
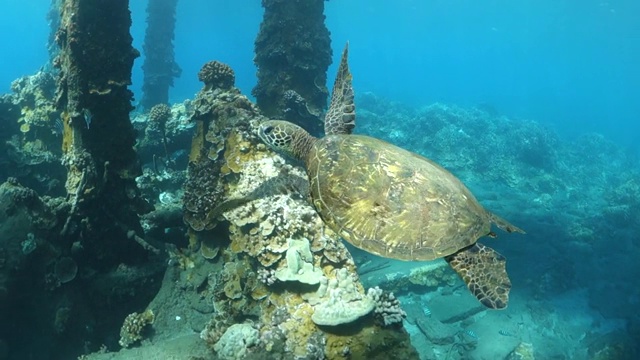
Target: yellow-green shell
x=392, y=202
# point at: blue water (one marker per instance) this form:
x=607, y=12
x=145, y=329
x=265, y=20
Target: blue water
x=573, y=64
x=562, y=163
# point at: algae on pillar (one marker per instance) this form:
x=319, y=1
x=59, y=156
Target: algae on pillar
x=292, y=53
x=94, y=62
x=159, y=64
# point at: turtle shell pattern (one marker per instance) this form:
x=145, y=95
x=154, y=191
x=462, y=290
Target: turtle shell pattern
x=392, y=202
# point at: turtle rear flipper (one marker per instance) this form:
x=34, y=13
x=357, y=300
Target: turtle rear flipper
x=504, y=224
x=484, y=271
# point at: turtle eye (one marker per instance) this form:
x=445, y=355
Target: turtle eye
x=268, y=130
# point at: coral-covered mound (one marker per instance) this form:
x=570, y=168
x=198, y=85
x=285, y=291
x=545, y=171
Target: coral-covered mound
x=160, y=114
x=215, y=74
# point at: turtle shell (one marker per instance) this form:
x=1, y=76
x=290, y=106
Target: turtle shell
x=392, y=202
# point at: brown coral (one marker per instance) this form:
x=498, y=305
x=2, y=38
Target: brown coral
x=134, y=324
x=215, y=74
x=160, y=114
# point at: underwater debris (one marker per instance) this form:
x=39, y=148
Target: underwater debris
x=436, y=331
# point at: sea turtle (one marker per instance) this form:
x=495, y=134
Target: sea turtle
x=392, y=202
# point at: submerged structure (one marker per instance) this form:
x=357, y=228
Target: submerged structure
x=95, y=62
x=160, y=67
x=293, y=52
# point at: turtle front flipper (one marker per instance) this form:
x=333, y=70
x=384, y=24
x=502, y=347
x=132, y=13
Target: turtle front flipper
x=341, y=116
x=484, y=271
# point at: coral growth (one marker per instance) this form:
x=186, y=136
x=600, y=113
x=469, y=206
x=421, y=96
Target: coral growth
x=133, y=327
x=387, y=307
x=340, y=301
x=216, y=75
x=236, y=342
x=159, y=114
x=24, y=221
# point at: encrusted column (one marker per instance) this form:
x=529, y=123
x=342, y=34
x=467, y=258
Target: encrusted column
x=53, y=17
x=159, y=65
x=293, y=52
x=95, y=61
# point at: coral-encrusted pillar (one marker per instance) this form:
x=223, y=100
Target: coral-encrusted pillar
x=53, y=17
x=95, y=61
x=159, y=64
x=293, y=52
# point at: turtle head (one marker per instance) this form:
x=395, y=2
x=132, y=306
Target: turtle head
x=286, y=138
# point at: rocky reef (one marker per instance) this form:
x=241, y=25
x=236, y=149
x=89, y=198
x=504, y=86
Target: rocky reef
x=31, y=130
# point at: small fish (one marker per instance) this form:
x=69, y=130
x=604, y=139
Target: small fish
x=506, y=333
x=471, y=334
x=58, y=127
x=88, y=116
x=426, y=311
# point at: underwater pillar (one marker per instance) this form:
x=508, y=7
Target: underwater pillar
x=94, y=62
x=53, y=18
x=159, y=65
x=292, y=53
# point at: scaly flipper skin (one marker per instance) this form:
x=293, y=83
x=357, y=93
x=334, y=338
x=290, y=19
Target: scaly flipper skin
x=484, y=271
x=341, y=116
